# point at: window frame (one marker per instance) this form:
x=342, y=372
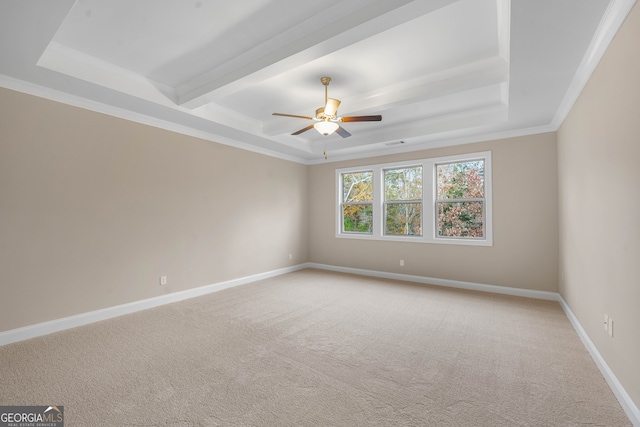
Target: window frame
x=386, y=202
x=342, y=202
x=429, y=201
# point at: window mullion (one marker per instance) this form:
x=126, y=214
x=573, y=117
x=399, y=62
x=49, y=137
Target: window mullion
x=378, y=202
x=460, y=200
x=428, y=200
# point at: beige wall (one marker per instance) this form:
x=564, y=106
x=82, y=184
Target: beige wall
x=525, y=221
x=93, y=209
x=599, y=189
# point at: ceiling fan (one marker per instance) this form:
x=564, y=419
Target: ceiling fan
x=327, y=119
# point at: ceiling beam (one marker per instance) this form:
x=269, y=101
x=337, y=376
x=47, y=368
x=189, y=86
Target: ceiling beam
x=311, y=39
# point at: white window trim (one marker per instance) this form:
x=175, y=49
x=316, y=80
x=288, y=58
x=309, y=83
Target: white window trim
x=428, y=200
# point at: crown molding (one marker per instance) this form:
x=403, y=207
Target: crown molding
x=611, y=22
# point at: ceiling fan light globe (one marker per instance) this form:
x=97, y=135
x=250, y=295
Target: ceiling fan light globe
x=326, y=127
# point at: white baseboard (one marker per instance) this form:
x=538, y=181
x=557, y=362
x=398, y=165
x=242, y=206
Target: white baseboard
x=627, y=404
x=32, y=331
x=442, y=282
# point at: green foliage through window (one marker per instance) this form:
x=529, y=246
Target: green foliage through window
x=357, y=218
x=357, y=198
x=403, y=201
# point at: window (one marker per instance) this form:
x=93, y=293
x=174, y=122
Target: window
x=357, y=202
x=460, y=199
x=439, y=200
x=403, y=201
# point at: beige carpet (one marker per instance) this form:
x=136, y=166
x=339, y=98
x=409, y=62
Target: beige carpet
x=316, y=348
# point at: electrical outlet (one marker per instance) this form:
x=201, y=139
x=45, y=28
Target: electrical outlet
x=401, y=263
x=605, y=325
x=163, y=280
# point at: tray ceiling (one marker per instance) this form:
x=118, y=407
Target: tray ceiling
x=440, y=72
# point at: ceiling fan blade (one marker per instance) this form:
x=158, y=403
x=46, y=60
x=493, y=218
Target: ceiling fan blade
x=331, y=109
x=342, y=132
x=293, y=115
x=362, y=119
x=303, y=130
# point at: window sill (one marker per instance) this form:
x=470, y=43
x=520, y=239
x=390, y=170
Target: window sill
x=418, y=239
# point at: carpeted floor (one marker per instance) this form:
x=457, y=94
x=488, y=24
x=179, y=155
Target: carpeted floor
x=316, y=348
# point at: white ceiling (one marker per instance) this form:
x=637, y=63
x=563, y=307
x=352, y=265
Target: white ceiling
x=440, y=72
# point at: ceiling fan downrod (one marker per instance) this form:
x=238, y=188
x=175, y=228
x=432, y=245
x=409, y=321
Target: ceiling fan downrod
x=325, y=81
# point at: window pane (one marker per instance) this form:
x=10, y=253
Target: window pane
x=460, y=219
x=461, y=180
x=357, y=218
x=357, y=187
x=403, y=184
x=403, y=219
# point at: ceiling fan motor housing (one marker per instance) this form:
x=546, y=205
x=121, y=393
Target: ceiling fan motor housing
x=329, y=110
